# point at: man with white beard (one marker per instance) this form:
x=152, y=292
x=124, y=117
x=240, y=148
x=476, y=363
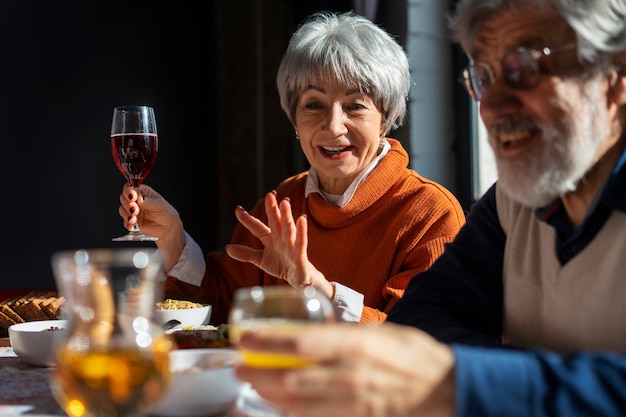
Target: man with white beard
x=542, y=260
x=527, y=306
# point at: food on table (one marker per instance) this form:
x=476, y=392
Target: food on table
x=202, y=337
x=171, y=304
x=36, y=305
x=52, y=328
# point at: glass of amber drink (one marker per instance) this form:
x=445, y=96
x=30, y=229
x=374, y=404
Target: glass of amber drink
x=283, y=308
x=114, y=361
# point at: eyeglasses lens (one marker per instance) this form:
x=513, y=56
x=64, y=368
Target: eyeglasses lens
x=520, y=70
x=476, y=77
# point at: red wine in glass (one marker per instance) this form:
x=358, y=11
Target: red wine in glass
x=134, y=155
x=134, y=145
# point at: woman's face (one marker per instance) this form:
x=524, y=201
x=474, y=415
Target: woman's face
x=339, y=129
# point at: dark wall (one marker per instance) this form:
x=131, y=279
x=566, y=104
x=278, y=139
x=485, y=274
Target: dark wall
x=64, y=66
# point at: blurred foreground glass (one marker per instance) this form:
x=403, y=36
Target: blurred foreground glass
x=114, y=361
x=282, y=308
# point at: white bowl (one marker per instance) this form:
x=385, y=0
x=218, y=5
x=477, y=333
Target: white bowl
x=187, y=316
x=203, y=384
x=34, y=341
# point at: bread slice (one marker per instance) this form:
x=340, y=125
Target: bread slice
x=27, y=309
x=5, y=321
x=36, y=305
x=52, y=306
x=10, y=313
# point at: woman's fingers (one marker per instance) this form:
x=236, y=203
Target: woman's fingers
x=272, y=211
x=288, y=228
x=245, y=253
x=254, y=225
x=302, y=237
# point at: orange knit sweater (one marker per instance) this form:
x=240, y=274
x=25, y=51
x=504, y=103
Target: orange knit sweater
x=394, y=227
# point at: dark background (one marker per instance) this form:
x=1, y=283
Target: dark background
x=208, y=69
x=65, y=65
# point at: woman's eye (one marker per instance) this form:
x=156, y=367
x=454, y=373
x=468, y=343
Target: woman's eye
x=356, y=107
x=312, y=105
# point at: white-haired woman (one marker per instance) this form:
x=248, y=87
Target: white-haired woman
x=359, y=223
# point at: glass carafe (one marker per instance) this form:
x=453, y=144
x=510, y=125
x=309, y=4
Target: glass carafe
x=114, y=361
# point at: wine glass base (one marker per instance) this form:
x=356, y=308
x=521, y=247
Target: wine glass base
x=135, y=237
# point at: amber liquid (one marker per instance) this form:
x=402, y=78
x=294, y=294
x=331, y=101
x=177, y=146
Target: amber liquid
x=267, y=359
x=114, y=382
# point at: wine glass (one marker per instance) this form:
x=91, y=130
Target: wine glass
x=134, y=143
x=114, y=359
x=282, y=308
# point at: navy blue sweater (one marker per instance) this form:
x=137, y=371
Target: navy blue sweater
x=459, y=301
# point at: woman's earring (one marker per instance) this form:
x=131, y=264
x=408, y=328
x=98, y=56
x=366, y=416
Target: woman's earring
x=297, y=137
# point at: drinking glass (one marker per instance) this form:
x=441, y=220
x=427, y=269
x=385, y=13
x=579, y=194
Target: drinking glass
x=134, y=143
x=282, y=308
x=114, y=359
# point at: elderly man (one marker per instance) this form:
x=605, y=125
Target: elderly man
x=539, y=266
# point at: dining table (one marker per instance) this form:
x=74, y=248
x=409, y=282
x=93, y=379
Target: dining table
x=25, y=391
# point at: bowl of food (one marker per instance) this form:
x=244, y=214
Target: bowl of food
x=203, y=383
x=201, y=337
x=186, y=312
x=34, y=341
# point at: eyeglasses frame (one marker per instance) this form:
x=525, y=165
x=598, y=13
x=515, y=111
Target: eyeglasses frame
x=466, y=80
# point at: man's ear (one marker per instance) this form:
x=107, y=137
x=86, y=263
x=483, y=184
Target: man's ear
x=618, y=80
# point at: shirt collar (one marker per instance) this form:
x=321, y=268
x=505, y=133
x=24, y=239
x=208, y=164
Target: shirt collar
x=614, y=194
x=611, y=194
x=312, y=181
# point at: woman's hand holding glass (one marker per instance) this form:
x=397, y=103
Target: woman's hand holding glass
x=134, y=145
x=156, y=217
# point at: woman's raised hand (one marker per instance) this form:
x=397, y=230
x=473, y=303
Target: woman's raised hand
x=285, y=242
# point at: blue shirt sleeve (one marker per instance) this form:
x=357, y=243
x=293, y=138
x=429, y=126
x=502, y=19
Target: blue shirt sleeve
x=505, y=382
x=459, y=299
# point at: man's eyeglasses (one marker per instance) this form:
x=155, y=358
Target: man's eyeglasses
x=520, y=69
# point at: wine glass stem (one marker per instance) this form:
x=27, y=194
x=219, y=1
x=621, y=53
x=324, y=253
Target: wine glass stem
x=134, y=230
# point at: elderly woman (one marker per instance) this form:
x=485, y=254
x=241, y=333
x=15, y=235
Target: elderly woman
x=359, y=223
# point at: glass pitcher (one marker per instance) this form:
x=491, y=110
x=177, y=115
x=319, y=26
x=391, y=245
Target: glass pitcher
x=114, y=360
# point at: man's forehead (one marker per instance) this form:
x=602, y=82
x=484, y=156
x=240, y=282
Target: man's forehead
x=522, y=26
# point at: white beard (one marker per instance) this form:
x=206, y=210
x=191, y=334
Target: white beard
x=569, y=151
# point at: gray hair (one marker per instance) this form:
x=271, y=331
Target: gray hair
x=351, y=50
x=599, y=25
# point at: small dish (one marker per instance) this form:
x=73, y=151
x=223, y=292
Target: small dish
x=187, y=317
x=34, y=341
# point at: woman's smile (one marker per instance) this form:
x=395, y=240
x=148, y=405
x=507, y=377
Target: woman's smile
x=336, y=152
